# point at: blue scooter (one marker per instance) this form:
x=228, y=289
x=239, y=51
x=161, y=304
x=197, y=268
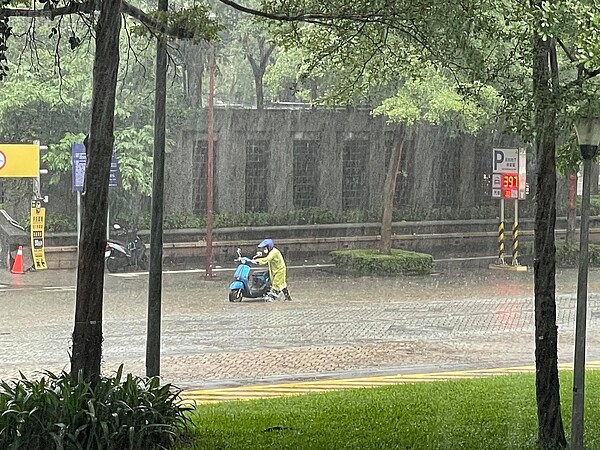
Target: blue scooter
x=246, y=283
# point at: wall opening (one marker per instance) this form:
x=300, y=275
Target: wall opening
x=257, y=172
x=306, y=173
x=355, y=190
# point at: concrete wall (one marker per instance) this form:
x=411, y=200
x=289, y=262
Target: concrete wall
x=442, y=168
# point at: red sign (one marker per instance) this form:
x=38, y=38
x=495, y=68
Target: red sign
x=510, y=185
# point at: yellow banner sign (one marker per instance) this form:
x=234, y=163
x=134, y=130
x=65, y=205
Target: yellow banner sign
x=38, y=219
x=19, y=160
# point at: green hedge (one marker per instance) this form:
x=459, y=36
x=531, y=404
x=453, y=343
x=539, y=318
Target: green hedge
x=371, y=262
x=306, y=216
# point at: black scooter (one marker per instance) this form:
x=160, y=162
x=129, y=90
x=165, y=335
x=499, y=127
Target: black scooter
x=131, y=252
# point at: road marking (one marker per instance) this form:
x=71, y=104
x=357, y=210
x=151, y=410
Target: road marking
x=202, y=396
x=221, y=269
x=60, y=288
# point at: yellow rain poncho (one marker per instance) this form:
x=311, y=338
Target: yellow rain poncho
x=277, y=269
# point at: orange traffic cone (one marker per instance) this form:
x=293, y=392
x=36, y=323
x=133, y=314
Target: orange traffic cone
x=18, y=264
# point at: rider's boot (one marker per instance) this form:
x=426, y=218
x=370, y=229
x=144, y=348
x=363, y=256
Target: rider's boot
x=286, y=293
x=272, y=295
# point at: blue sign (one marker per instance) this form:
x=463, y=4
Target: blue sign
x=78, y=160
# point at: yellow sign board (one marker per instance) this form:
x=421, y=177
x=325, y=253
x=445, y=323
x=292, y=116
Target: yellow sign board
x=19, y=160
x=38, y=219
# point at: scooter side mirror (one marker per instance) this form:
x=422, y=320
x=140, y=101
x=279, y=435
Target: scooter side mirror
x=239, y=252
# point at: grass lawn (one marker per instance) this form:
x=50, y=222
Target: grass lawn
x=485, y=413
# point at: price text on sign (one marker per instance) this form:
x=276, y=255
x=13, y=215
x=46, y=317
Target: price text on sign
x=509, y=173
x=38, y=219
x=19, y=160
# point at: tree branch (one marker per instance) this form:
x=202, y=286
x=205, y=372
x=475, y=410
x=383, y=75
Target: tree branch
x=94, y=5
x=318, y=18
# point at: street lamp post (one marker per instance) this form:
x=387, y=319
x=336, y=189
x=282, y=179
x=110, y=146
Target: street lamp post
x=588, y=136
x=210, y=160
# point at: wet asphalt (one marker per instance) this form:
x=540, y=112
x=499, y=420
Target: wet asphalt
x=336, y=326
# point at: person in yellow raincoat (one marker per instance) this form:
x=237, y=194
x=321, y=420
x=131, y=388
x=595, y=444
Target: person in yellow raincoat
x=269, y=254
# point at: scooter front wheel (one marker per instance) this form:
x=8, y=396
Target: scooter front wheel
x=235, y=295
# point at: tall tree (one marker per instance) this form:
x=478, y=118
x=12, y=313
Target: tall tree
x=87, y=333
x=550, y=429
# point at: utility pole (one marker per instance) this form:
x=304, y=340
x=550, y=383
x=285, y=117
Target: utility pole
x=156, y=228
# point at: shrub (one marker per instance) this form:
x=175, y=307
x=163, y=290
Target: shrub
x=371, y=262
x=567, y=254
x=57, y=413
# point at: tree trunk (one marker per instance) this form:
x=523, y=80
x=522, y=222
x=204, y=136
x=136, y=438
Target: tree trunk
x=550, y=427
x=87, y=333
x=193, y=56
x=259, y=68
x=571, y=214
x=389, y=189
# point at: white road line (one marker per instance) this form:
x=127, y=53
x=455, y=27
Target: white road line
x=221, y=269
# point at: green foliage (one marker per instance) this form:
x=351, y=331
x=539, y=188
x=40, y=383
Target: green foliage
x=567, y=253
x=192, y=21
x=55, y=412
x=134, y=150
x=55, y=223
x=58, y=157
x=493, y=413
x=371, y=262
x=432, y=98
x=309, y=216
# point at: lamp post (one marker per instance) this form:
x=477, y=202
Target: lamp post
x=588, y=136
x=210, y=158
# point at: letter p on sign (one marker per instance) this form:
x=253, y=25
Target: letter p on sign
x=498, y=158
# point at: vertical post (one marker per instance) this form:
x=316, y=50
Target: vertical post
x=36, y=181
x=78, y=221
x=501, y=234
x=156, y=227
x=210, y=161
x=515, y=236
x=580, y=320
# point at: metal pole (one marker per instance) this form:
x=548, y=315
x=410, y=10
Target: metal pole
x=515, y=236
x=210, y=161
x=501, y=234
x=78, y=221
x=580, y=321
x=156, y=227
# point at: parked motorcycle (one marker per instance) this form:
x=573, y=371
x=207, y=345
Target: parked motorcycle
x=247, y=283
x=129, y=252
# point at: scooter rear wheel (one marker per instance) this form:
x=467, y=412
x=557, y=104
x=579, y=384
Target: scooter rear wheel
x=143, y=262
x=113, y=265
x=235, y=295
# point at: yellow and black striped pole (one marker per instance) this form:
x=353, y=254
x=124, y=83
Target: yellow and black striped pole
x=501, y=234
x=515, y=236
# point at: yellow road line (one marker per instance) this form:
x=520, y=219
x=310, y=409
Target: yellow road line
x=197, y=396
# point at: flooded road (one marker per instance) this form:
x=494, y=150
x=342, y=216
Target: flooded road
x=336, y=325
